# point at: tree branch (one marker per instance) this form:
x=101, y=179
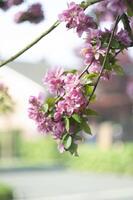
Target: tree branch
x=31, y=44
x=86, y=68
x=85, y=3
x=105, y=59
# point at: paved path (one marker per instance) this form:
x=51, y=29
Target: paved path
x=67, y=185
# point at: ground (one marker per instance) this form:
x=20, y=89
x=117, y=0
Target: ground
x=68, y=185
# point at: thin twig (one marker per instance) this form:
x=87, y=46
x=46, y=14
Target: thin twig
x=31, y=44
x=105, y=59
x=86, y=4
x=127, y=27
x=86, y=69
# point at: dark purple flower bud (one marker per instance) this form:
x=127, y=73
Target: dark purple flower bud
x=35, y=13
x=3, y=5
x=20, y=17
x=14, y=2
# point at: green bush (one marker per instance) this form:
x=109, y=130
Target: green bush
x=6, y=192
x=118, y=159
x=40, y=151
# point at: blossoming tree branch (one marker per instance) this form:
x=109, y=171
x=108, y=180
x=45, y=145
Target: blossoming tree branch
x=64, y=113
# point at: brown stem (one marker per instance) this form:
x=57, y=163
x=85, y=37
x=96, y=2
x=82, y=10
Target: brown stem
x=85, y=3
x=31, y=44
x=105, y=59
x=86, y=69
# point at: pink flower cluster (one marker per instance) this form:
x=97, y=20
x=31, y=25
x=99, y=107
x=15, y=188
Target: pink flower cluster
x=123, y=37
x=75, y=17
x=67, y=86
x=45, y=124
x=54, y=81
x=65, y=115
x=72, y=100
x=94, y=48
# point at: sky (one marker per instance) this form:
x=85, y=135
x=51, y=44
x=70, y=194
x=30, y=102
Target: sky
x=57, y=47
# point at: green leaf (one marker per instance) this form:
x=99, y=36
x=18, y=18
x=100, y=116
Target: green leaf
x=73, y=149
x=91, y=112
x=77, y=125
x=77, y=118
x=50, y=101
x=78, y=139
x=73, y=71
x=90, y=76
x=88, y=90
x=45, y=107
x=115, y=44
x=67, y=123
x=86, y=127
x=108, y=64
x=89, y=79
x=67, y=141
x=118, y=69
x=130, y=12
x=129, y=7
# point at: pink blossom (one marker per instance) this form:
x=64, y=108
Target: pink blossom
x=85, y=23
x=93, y=34
x=71, y=15
x=61, y=108
x=71, y=81
x=61, y=148
x=54, y=80
x=19, y=17
x=123, y=37
x=74, y=101
x=34, y=109
x=91, y=52
x=58, y=129
x=45, y=125
x=75, y=17
x=96, y=68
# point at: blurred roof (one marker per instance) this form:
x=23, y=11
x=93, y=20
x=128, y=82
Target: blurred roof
x=34, y=71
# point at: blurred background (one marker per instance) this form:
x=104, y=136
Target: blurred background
x=29, y=162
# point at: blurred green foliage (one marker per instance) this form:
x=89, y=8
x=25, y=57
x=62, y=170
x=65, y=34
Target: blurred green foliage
x=6, y=192
x=118, y=159
x=43, y=152
x=39, y=151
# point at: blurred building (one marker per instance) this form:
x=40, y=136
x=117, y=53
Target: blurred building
x=115, y=104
